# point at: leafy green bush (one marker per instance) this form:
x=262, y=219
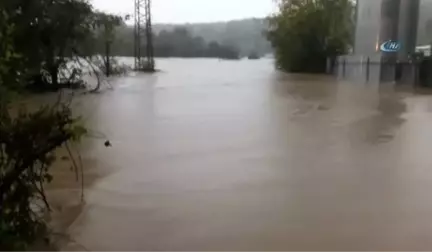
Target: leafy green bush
x=28, y=141
x=27, y=145
x=305, y=33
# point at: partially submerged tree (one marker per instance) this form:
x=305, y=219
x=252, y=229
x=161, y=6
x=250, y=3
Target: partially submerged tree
x=45, y=33
x=106, y=25
x=27, y=149
x=11, y=68
x=66, y=26
x=305, y=33
x=28, y=142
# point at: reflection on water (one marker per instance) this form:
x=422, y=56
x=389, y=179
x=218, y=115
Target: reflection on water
x=230, y=155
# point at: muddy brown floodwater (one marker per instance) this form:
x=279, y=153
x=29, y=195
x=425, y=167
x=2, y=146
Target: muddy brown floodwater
x=231, y=155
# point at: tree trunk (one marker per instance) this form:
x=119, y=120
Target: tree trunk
x=107, y=59
x=54, y=75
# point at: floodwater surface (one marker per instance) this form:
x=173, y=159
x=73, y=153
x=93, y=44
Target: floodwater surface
x=231, y=155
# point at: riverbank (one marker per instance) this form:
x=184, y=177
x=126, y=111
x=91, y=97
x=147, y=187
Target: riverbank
x=66, y=192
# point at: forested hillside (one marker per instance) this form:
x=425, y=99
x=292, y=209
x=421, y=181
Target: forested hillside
x=246, y=35
x=243, y=36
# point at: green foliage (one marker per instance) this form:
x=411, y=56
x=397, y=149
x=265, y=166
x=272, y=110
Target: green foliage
x=27, y=140
x=304, y=33
x=76, y=129
x=27, y=145
x=106, y=26
x=55, y=29
x=9, y=58
x=59, y=30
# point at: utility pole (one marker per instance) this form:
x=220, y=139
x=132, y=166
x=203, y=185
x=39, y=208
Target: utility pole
x=144, y=59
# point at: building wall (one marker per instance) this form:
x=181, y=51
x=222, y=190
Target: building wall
x=408, y=26
x=367, y=28
x=382, y=20
x=379, y=21
x=360, y=69
x=389, y=23
x=425, y=23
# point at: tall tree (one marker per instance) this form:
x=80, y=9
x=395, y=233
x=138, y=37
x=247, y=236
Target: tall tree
x=9, y=59
x=54, y=28
x=106, y=25
x=304, y=33
x=65, y=27
x=27, y=144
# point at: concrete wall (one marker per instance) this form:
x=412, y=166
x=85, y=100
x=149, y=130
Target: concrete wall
x=379, y=21
x=382, y=20
x=408, y=27
x=359, y=69
x=367, y=29
x=389, y=20
x=425, y=14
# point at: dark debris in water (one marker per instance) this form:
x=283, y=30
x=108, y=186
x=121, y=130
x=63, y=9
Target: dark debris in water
x=108, y=144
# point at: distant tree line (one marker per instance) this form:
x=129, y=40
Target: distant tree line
x=246, y=35
x=178, y=42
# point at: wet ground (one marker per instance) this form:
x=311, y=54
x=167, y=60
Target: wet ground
x=231, y=155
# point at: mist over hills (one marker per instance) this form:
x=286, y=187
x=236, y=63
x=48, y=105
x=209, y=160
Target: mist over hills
x=244, y=36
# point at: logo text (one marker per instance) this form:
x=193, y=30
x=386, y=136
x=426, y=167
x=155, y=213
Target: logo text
x=390, y=46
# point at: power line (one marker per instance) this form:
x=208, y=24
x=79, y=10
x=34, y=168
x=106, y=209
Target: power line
x=144, y=59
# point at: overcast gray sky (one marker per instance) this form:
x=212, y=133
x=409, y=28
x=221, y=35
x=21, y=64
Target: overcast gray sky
x=193, y=11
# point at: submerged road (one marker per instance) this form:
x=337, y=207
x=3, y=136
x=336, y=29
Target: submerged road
x=231, y=155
